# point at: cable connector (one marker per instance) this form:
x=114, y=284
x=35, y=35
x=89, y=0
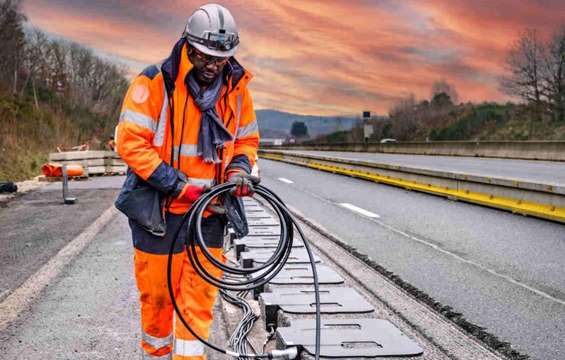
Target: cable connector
x=287, y=354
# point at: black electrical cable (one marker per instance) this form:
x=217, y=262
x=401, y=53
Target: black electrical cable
x=252, y=277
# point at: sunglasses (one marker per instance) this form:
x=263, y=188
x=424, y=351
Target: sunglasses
x=208, y=59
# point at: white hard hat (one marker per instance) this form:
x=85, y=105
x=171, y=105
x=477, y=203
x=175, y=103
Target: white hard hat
x=211, y=29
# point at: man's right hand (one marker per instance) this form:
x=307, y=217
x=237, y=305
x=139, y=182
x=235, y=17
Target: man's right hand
x=191, y=193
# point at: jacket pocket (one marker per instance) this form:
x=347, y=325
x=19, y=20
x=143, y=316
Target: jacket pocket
x=141, y=203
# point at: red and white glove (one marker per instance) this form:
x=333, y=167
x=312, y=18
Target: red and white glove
x=191, y=193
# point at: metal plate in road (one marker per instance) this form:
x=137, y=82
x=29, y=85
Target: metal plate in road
x=254, y=209
x=268, y=243
x=295, y=274
x=264, y=230
x=258, y=215
x=348, y=338
x=332, y=301
x=263, y=222
x=248, y=201
x=260, y=256
x=259, y=242
x=275, y=237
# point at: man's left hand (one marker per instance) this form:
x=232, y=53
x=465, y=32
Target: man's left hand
x=244, y=183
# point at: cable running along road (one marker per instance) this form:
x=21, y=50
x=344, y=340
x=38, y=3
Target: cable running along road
x=249, y=278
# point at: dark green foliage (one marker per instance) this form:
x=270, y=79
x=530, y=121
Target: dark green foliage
x=441, y=100
x=299, y=129
x=472, y=123
x=337, y=137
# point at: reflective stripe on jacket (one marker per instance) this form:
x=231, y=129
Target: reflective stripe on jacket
x=144, y=131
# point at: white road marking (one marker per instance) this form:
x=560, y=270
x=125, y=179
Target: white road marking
x=286, y=181
x=359, y=210
x=21, y=298
x=473, y=263
x=453, y=255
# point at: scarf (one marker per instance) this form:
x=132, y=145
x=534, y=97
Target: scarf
x=212, y=133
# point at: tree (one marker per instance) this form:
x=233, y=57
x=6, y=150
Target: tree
x=12, y=42
x=525, y=64
x=554, y=74
x=36, y=51
x=442, y=86
x=403, y=118
x=441, y=101
x=299, y=129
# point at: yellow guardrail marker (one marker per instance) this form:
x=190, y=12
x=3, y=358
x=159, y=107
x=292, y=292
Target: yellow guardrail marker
x=519, y=206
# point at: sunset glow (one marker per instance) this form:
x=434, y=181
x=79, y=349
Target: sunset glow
x=327, y=56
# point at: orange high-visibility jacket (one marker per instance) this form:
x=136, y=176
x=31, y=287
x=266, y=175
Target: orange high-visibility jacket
x=159, y=98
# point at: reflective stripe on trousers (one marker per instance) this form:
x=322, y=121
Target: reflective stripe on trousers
x=188, y=348
x=146, y=356
x=157, y=342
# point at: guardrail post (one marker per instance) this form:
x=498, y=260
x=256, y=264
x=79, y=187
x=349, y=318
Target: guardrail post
x=67, y=200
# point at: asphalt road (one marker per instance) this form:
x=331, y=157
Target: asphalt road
x=35, y=226
x=91, y=310
x=545, y=172
x=504, y=272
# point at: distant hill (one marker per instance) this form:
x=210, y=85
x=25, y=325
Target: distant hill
x=273, y=123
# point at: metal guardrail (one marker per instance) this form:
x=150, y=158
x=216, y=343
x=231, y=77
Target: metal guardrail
x=526, y=198
x=532, y=150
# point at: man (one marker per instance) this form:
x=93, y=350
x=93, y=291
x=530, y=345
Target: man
x=185, y=125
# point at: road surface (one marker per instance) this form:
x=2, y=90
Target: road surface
x=90, y=311
x=503, y=271
x=544, y=172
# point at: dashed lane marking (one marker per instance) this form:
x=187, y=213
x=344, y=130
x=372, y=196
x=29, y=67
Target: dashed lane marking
x=286, y=181
x=449, y=253
x=359, y=210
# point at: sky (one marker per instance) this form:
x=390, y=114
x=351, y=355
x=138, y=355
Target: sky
x=324, y=57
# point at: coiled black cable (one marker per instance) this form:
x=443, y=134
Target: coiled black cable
x=252, y=277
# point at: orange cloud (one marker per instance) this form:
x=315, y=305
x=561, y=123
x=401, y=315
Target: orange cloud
x=324, y=56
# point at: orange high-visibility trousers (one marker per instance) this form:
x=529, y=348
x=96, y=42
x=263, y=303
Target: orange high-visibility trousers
x=194, y=297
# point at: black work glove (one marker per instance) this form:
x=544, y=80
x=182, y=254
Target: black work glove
x=244, y=183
